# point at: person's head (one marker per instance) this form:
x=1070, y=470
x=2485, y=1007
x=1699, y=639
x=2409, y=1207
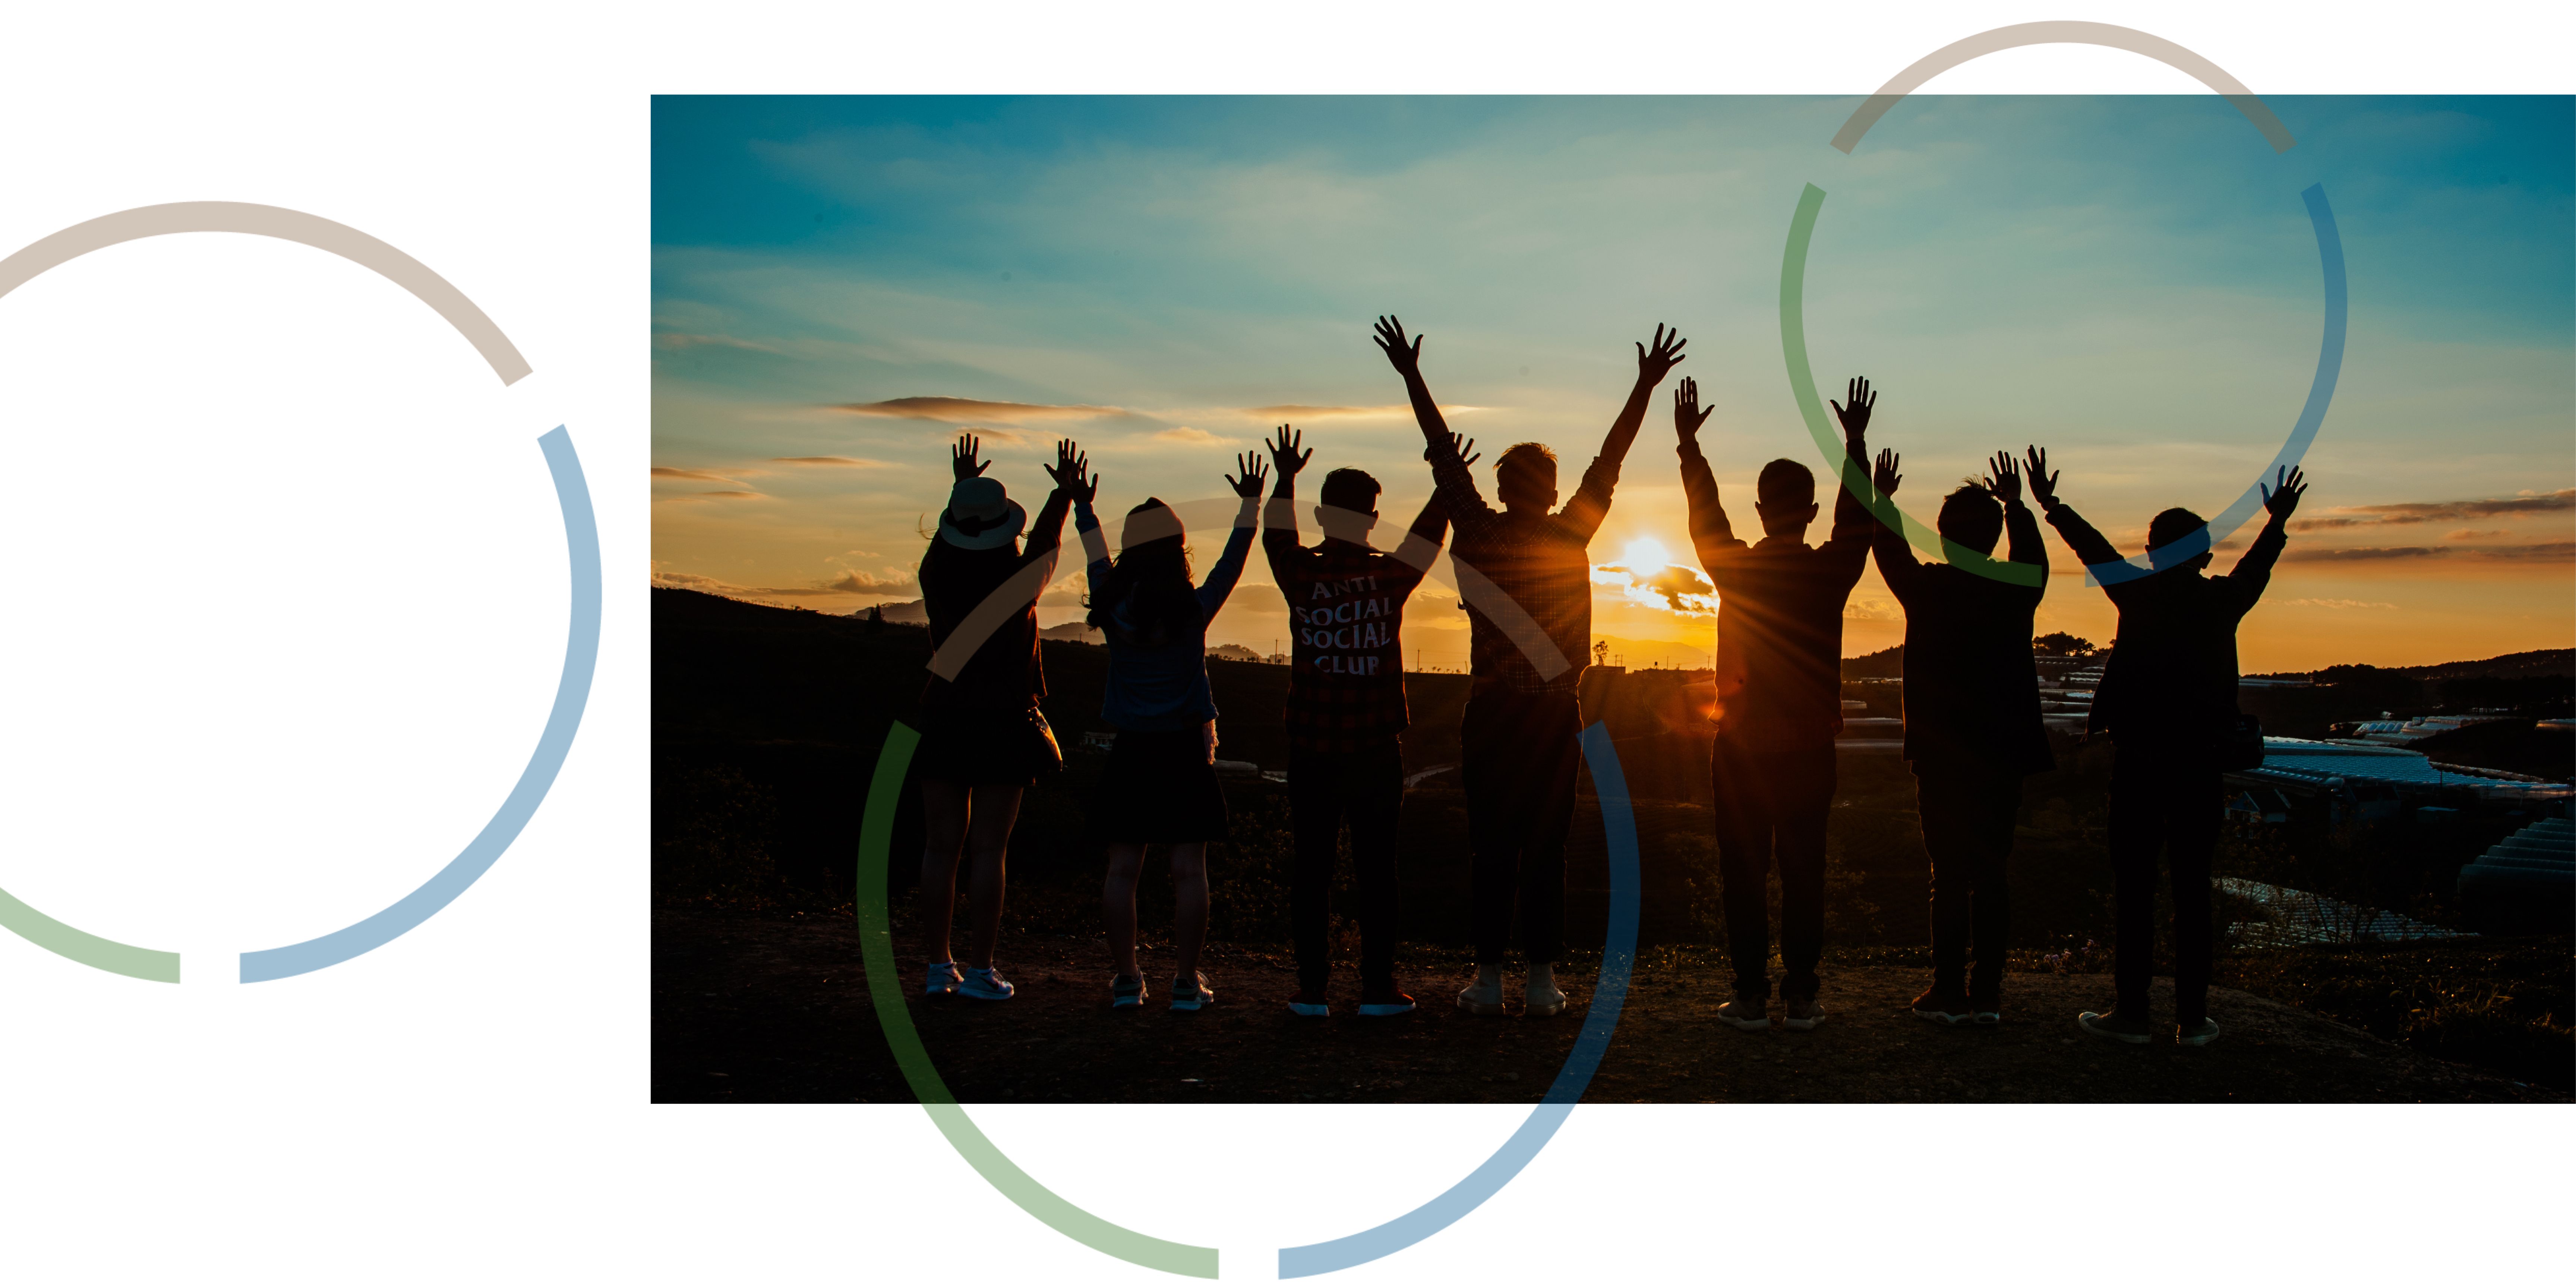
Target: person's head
x=1149, y=582
x=1784, y=494
x=980, y=516
x=1525, y=478
x=1349, y=508
x=2171, y=526
x=1971, y=517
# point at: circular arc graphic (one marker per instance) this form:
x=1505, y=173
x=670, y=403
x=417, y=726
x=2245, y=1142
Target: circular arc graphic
x=1855, y=476
x=581, y=538
x=1600, y=1022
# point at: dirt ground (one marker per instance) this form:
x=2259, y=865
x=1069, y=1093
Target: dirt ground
x=752, y=1010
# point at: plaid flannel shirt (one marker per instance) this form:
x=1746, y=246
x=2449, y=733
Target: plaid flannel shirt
x=1541, y=564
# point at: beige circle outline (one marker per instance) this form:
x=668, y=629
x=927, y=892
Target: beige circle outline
x=2063, y=33
x=286, y=225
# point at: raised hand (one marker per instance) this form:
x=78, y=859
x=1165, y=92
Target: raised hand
x=2284, y=498
x=1854, y=411
x=1284, y=453
x=1688, y=415
x=2004, y=478
x=1886, y=478
x=961, y=458
x=2043, y=483
x=1655, y=364
x=1406, y=355
x=1069, y=472
x=1254, y=473
x=1464, y=446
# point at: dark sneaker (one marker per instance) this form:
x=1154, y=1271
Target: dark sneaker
x=1191, y=994
x=941, y=979
x=1750, y=1014
x=1802, y=1014
x=1986, y=1005
x=2201, y=1034
x=2111, y=1025
x=1942, y=1006
x=1382, y=999
x=1126, y=990
x=1309, y=1002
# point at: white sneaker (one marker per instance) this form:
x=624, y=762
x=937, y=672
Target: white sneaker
x=1481, y=999
x=985, y=984
x=1545, y=999
x=1190, y=995
x=942, y=978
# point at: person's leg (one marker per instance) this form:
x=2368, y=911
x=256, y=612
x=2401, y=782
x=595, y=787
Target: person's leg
x=1939, y=800
x=944, y=808
x=988, y=841
x=1118, y=905
x=1804, y=791
x=1743, y=816
x=1999, y=803
x=1374, y=798
x=1189, y=906
x=1555, y=750
x=1485, y=771
x=1315, y=820
x=2193, y=835
x=2137, y=832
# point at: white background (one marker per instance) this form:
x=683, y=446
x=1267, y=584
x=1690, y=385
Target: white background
x=289, y=606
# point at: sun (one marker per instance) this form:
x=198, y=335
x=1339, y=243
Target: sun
x=1645, y=554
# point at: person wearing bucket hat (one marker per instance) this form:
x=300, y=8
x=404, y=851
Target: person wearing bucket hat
x=1159, y=787
x=983, y=739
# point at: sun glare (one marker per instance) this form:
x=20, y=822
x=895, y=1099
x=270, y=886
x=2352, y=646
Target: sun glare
x=1645, y=554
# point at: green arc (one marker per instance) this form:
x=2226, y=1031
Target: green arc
x=885, y=989
x=1855, y=474
x=83, y=947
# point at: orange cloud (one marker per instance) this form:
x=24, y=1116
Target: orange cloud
x=828, y=460
x=961, y=410
x=2358, y=516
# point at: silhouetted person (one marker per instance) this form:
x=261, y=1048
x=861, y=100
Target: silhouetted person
x=2168, y=701
x=1519, y=740
x=1159, y=787
x=1779, y=703
x=983, y=739
x=1346, y=714
x=1972, y=726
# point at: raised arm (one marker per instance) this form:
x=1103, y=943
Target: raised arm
x=1279, y=520
x=1238, y=543
x=1070, y=483
x=1591, y=502
x=2253, y=570
x=2081, y=537
x=2021, y=530
x=1453, y=487
x=1853, y=523
x=1897, y=565
x=1711, y=536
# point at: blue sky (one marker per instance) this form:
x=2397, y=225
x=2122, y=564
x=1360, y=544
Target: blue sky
x=2131, y=281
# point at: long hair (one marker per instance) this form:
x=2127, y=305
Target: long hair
x=1149, y=586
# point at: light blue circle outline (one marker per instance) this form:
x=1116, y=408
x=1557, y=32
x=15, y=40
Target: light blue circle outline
x=1855, y=477
x=572, y=696
x=1609, y=992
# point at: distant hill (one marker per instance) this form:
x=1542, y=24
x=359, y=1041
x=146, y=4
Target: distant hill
x=2536, y=664
x=1075, y=631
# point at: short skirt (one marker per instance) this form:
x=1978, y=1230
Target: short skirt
x=979, y=748
x=1158, y=788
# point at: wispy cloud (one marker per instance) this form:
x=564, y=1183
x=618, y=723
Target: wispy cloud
x=698, y=476
x=964, y=410
x=1302, y=411
x=850, y=461
x=2335, y=603
x=1673, y=588
x=728, y=494
x=685, y=340
x=2538, y=552
x=1185, y=434
x=2358, y=516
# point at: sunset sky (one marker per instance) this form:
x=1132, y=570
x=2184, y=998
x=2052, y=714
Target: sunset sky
x=841, y=285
